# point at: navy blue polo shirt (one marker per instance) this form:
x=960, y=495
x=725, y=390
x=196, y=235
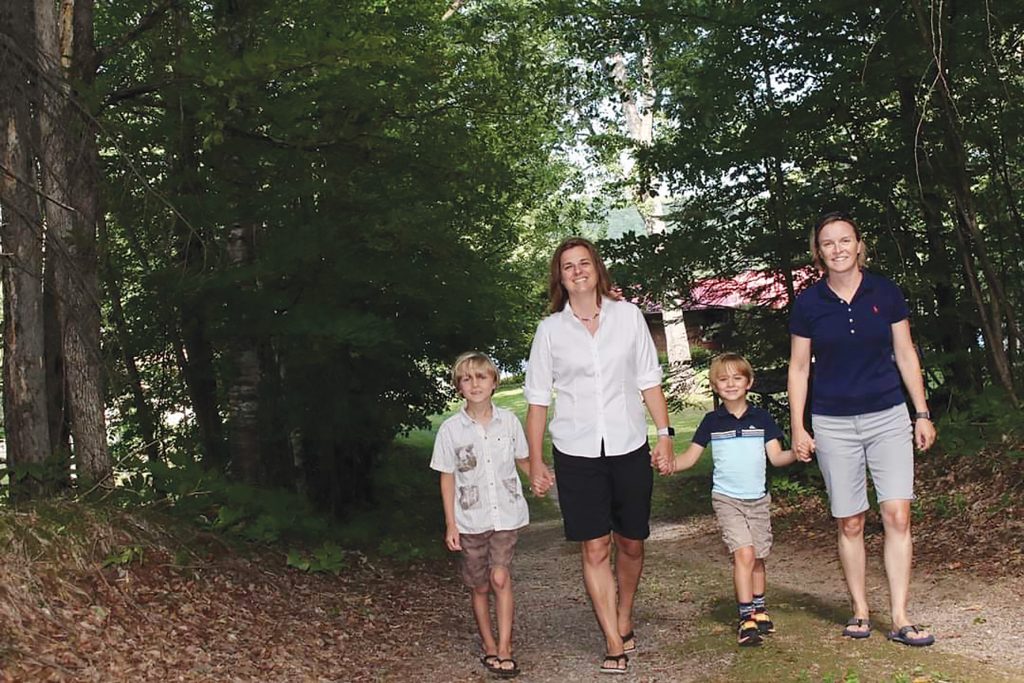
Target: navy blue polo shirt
x=737, y=449
x=854, y=365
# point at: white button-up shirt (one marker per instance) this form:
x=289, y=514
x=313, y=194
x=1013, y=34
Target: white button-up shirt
x=488, y=494
x=597, y=379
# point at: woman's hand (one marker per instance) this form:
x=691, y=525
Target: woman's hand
x=663, y=455
x=803, y=445
x=924, y=433
x=541, y=479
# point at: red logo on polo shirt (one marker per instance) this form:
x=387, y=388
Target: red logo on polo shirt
x=874, y=309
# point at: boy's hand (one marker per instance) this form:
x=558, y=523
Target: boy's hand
x=451, y=539
x=541, y=479
x=803, y=446
x=662, y=455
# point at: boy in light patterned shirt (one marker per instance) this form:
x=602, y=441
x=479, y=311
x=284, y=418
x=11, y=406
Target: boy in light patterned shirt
x=477, y=451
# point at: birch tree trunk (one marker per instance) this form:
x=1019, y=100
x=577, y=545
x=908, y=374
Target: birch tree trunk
x=243, y=388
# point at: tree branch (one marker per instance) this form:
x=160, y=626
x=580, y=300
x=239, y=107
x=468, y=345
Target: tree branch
x=147, y=22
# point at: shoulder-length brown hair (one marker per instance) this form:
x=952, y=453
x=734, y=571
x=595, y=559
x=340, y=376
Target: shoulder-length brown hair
x=835, y=217
x=557, y=295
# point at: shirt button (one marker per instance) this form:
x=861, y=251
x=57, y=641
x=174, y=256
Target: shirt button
x=851, y=320
x=851, y=332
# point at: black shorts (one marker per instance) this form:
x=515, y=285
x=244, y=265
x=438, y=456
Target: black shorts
x=609, y=493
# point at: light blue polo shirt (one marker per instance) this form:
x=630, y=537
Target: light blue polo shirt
x=737, y=450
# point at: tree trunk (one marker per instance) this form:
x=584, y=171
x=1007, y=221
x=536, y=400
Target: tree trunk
x=24, y=375
x=195, y=353
x=243, y=390
x=69, y=159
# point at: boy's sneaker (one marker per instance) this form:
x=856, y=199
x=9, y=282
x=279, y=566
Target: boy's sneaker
x=748, y=633
x=765, y=624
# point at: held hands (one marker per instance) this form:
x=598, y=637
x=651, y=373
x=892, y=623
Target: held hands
x=541, y=479
x=663, y=458
x=803, y=445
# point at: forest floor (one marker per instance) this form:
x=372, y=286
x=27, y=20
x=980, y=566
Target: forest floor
x=188, y=606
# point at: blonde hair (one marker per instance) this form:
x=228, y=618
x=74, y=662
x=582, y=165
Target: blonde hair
x=827, y=219
x=557, y=295
x=724, y=360
x=471, y=360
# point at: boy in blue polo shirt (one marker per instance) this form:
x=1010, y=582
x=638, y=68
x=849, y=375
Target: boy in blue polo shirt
x=740, y=434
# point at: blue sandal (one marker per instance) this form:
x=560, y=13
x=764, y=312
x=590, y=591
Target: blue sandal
x=859, y=623
x=903, y=636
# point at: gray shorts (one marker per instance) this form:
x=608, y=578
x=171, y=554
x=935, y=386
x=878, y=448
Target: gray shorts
x=881, y=442
x=744, y=522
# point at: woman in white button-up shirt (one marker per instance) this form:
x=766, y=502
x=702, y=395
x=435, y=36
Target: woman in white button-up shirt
x=596, y=353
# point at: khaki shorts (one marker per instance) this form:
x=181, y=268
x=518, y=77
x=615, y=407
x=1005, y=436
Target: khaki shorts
x=483, y=552
x=744, y=522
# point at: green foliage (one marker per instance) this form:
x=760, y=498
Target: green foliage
x=125, y=556
x=761, y=126
x=329, y=557
x=947, y=506
x=792, y=488
x=247, y=512
x=988, y=419
x=401, y=177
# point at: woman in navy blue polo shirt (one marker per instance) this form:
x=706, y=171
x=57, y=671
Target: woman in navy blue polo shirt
x=855, y=325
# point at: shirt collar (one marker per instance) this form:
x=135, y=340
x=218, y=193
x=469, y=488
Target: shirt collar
x=867, y=283
x=722, y=411
x=567, y=313
x=468, y=421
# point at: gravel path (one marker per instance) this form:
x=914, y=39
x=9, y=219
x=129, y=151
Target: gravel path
x=684, y=618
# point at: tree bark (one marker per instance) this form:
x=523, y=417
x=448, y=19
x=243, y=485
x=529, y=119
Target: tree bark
x=24, y=375
x=195, y=352
x=69, y=159
x=243, y=390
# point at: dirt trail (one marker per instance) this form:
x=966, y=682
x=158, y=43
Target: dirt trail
x=685, y=617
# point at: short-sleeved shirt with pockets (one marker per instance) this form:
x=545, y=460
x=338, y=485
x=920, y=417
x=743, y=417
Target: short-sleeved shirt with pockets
x=855, y=368
x=737, y=450
x=488, y=493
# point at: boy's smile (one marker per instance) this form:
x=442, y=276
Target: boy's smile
x=731, y=384
x=477, y=386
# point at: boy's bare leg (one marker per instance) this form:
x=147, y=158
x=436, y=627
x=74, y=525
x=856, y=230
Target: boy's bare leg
x=899, y=554
x=759, y=581
x=743, y=572
x=852, y=557
x=600, y=585
x=504, y=610
x=629, y=565
x=482, y=612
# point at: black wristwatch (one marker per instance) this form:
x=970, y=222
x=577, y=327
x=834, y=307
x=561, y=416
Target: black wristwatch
x=922, y=415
